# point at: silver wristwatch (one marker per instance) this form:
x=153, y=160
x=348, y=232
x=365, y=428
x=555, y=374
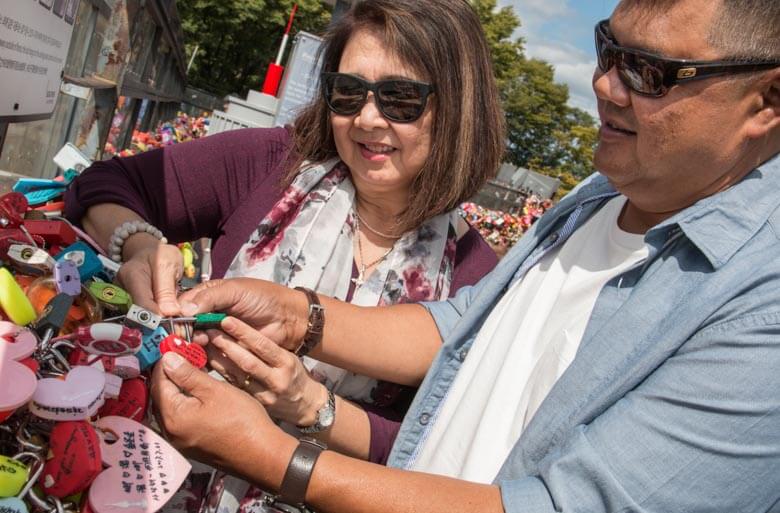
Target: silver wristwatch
x=325, y=417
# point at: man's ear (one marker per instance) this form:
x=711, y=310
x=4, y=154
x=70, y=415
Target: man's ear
x=766, y=115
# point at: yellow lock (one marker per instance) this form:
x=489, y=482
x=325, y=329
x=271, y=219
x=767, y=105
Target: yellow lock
x=13, y=301
x=13, y=476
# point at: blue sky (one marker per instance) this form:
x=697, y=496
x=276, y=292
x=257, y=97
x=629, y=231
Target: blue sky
x=561, y=32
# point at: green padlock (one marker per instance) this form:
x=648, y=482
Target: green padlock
x=13, y=476
x=111, y=296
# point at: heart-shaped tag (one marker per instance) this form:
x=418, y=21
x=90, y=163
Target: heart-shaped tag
x=77, y=397
x=74, y=459
x=22, y=342
x=144, y=470
x=193, y=353
x=132, y=401
x=17, y=382
x=13, y=476
x=13, y=505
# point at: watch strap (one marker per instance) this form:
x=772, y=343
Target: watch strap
x=316, y=323
x=299, y=471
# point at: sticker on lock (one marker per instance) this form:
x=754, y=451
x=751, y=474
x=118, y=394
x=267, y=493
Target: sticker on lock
x=108, y=339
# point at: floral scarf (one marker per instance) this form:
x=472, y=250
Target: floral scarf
x=307, y=240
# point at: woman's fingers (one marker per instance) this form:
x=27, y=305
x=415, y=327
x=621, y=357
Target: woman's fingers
x=167, y=269
x=241, y=358
x=260, y=345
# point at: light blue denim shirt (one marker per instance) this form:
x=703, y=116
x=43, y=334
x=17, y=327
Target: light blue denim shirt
x=673, y=400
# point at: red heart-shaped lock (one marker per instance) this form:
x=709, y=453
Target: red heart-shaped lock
x=74, y=459
x=131, y=403
x=193, y=353
x=12, y=207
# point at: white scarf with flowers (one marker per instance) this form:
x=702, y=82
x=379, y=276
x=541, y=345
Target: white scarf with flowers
x=307, y=240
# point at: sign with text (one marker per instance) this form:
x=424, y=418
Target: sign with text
x=301, y=78
x=34, y=40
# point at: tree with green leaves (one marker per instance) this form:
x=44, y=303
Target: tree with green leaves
x=237, y=39
x=544, y=133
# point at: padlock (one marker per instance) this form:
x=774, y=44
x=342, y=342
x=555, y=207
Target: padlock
x=13, y=476
x=67, y=279
x=84, y=257
x=108, y=339
x=150, y=348
x=85, y=309
x=30, y=260
x=138, y=317
x=111, y=296
x=132, y=401
x=35, y=468
x=50, y=322
x=191, y=352
x=55, y=233
x=76, y=397
x=13, y=301
x=12, y=208
x=17, y=381
x=74, y=459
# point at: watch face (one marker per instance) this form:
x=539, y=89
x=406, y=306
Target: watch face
x=327, y=416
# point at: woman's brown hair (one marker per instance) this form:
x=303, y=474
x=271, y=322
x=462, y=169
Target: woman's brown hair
x=443, y=41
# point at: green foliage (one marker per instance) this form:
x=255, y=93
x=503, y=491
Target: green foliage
x=544, y=133
x=237, y=39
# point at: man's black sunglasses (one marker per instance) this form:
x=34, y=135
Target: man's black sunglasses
x=652, y=75
x=402, y=101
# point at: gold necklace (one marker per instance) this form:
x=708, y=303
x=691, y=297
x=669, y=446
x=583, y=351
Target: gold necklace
x=361, y=277
x=373, y=230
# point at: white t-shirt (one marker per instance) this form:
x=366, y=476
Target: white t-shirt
x=525, y=345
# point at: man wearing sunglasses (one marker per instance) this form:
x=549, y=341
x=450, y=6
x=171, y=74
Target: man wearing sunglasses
x=624, y=357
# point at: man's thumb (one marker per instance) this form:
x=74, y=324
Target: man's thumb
x=184, y=375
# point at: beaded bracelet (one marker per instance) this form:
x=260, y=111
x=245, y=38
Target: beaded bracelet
x=124, y=231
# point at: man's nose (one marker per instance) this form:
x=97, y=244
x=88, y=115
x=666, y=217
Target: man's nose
x=609, y=87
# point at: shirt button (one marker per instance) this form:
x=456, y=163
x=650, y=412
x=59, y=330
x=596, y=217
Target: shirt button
x=462, y=354
x=425, y=418
x=554, y=237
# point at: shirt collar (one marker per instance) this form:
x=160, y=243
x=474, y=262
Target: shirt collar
x=721, y=224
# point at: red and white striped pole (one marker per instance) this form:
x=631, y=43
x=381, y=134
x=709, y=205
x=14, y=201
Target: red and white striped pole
x=275, y=69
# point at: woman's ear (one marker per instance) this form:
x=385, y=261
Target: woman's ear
x=766, y=116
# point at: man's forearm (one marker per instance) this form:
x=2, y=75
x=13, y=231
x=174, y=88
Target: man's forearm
x=395, y=343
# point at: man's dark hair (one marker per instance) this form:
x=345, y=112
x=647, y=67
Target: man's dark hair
x=743, y=29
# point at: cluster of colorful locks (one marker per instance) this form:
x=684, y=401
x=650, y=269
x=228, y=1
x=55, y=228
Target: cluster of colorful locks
x=74, y=351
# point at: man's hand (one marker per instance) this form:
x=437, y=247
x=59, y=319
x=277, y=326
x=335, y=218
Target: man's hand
x=217, y=423
x=277, y=312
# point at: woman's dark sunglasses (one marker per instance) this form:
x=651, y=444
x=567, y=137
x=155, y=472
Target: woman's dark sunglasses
x=402, y=101
x=652, y=75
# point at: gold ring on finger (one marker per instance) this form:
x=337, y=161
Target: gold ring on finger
x=247, y=382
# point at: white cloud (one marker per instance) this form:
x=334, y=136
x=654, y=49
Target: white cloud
x=573, y=65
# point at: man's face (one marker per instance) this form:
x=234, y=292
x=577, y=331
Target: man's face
x=667, y=153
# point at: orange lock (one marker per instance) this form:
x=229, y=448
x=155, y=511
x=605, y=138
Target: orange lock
x=85, y=309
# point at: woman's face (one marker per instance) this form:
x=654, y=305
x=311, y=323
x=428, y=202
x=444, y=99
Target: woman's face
x=383, y=156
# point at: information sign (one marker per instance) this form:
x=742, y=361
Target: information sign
x=301, y=78
x=34, y=40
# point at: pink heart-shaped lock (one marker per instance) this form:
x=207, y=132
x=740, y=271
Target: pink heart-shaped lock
x=77, y=397
x=17, y=381
x=144, y=470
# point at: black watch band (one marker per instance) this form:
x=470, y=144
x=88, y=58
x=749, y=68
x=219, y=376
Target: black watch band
x=299, y=471
x=316, y=323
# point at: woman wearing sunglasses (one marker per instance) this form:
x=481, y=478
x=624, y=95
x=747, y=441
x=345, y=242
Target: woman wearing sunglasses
x=356, y=200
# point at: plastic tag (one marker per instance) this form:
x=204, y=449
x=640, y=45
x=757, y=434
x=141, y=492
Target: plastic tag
x=108, y=339
x=74, y=459
x=143, y=472
x=13, y=476
x=66, y=276
x=13, y=301
x=77, y=397
x=17, y=381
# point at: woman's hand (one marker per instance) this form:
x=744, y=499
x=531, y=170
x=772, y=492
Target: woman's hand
x=217, y=423
x=151, y=276
x=270, y=374
x=277, y=312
